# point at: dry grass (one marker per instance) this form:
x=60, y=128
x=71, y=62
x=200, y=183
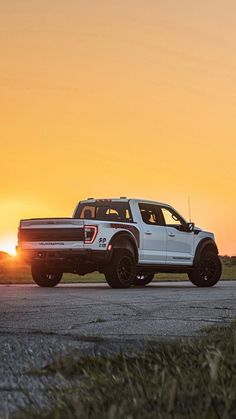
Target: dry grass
x=194, y=379
x=13, y=271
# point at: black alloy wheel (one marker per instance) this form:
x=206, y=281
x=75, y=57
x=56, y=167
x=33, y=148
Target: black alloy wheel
x=125, y=269
x=45, y=276
x=208, y=270
x=121, y=270
x=143, y=279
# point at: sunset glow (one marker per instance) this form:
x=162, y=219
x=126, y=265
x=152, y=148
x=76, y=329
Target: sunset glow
x=8, y=245
x=118, y=98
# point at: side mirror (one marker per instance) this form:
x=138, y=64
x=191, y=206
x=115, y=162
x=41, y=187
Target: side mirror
x=191, y=226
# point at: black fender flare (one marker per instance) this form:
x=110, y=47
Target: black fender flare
x=204, y=245
x=124, y=240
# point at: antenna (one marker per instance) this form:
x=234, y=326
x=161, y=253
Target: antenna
x=189, y=209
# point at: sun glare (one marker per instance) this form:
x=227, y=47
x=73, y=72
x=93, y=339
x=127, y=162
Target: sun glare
x=8, y=245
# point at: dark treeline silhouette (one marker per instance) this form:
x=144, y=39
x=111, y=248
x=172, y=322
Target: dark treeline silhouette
x=4, y=256
x=228, y=260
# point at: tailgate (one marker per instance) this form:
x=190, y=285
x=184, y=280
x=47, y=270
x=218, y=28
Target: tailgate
x=51, y=233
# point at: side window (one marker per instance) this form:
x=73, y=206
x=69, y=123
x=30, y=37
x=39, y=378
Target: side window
x=172, y=219
x=150, y=214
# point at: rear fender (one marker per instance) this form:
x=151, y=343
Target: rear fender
x=124, y=240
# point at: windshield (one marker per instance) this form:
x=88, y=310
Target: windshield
x=105, y=211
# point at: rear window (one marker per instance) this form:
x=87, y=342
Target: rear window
x=105, y=211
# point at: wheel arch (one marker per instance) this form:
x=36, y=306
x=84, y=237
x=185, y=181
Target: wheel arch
x=204, y=245
x=124, y=240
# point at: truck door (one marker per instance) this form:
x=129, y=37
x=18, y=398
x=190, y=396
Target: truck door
x=179, y=238
x=153, y=239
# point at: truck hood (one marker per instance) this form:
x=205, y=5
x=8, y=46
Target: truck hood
x=204, y=233
x=198, y=229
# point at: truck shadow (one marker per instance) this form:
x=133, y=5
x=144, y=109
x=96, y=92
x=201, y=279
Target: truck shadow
x=152, y=287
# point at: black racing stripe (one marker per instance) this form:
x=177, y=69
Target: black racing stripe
x=129, y=227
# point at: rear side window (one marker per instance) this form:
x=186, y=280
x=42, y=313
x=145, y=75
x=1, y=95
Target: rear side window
x=150, y=214
x=105, y=211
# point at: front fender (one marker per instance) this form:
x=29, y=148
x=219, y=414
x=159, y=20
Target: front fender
x=205, y=244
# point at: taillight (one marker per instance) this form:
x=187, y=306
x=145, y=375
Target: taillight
x=90, y=233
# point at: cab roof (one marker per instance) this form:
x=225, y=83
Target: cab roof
x=122, y=199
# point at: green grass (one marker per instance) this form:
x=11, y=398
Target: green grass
x=193, y=379
x=15, y=272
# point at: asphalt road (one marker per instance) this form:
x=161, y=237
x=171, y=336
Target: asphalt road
x=38, y=324
x=156, y=311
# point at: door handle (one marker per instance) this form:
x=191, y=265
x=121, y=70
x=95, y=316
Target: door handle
x=171, y=234
x=148, y=232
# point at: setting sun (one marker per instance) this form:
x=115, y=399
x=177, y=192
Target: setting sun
x=121, y=98
x=8, y=245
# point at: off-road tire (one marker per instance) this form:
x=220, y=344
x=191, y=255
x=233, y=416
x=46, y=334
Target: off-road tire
x=45, y=277
x=207, y=271
x=143, y=279
x=121, y=271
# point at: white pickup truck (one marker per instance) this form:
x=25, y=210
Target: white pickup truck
x=129, y=240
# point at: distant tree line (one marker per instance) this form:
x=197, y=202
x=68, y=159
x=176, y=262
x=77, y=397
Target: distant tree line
x=228, y=260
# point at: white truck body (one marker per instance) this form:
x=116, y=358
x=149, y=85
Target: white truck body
x=161, y=239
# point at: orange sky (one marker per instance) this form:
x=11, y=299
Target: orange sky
x=110, y=98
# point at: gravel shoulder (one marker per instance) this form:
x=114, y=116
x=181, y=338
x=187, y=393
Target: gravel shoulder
x=37, y=325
